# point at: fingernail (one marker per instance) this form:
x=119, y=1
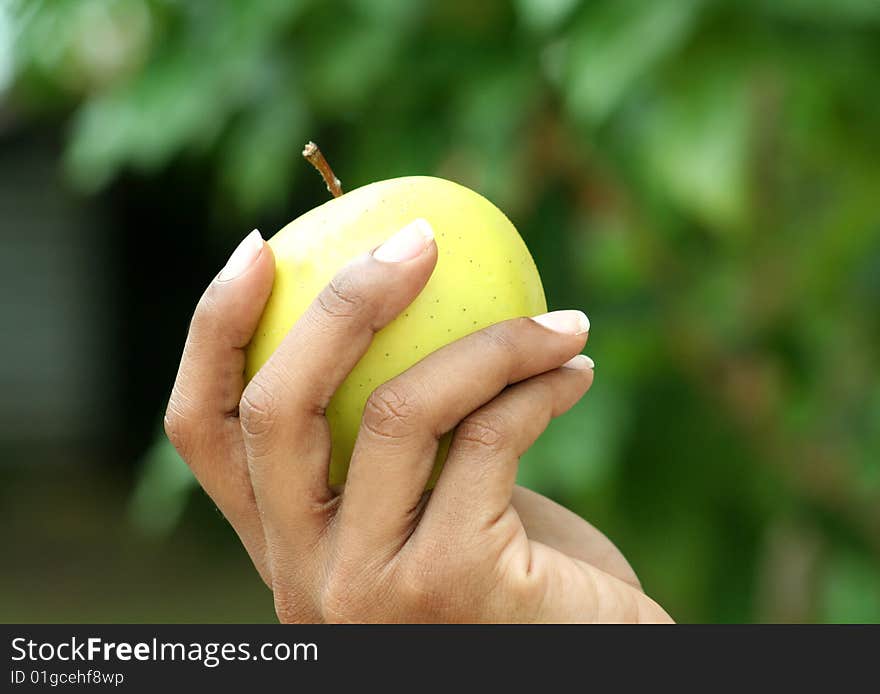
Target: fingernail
x=581, y=362
x=568, y=322
x=242, y=257
x=407, y=243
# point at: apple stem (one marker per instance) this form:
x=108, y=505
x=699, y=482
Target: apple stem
x=313, y=155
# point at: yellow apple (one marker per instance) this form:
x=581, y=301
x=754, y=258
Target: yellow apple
x=484, y=275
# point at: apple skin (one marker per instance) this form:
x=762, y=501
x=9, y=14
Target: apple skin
x=484, y=275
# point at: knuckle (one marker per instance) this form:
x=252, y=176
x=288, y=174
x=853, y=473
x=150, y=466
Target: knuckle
x=483, y=430
x=177, y=428
x=390, y=412
x=258, y=410
x=342, y=298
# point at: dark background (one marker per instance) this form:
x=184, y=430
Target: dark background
x=701, y=177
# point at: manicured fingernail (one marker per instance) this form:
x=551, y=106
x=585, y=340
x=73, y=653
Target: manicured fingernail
x=407, y=243
x=581, y=362
x=568, y=322
x=242, y=257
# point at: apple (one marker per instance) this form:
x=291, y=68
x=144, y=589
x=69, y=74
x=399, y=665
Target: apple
x=484, y=275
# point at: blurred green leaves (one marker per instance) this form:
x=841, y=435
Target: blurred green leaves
x=701, y=176
x=540, y=16
x=162, y=490
x=615, y=43
x=696, y=146
x=595, y=430
x=71, y=47
x=214, y=69
x=851, y=590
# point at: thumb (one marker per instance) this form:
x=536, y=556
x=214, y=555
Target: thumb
x=201, y=417
x=210, y=379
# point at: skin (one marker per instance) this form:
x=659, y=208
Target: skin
x=475, y=549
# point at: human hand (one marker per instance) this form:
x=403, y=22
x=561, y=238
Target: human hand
x=475, y=549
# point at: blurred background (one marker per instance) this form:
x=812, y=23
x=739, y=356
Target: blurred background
x=702, y=177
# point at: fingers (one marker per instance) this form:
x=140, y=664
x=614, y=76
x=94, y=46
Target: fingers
x=201, y=417
x=282, y=409
x=551, y=524
x=477, y=482
x=404, y=419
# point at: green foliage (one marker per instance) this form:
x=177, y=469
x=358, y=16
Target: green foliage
x=700, y=176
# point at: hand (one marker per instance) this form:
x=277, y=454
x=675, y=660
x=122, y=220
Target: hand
x=476, y=549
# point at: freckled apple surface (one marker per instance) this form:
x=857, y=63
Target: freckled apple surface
x=484, y=275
